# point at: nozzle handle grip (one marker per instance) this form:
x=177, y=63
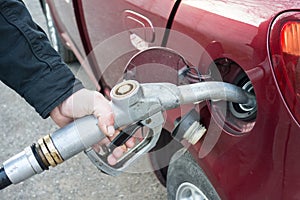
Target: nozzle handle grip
x=124, y=135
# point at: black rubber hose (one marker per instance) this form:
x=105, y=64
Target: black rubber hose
x=170, y=23
x=4, y=180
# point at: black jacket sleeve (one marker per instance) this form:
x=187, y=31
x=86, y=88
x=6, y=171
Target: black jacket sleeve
x=28, y=63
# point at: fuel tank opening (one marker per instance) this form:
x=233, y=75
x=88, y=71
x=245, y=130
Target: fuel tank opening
x=235, y=118
x=241, y=111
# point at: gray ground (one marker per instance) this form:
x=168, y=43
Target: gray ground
x=77, y=178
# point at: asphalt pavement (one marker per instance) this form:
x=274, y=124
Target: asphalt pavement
x=77, y=178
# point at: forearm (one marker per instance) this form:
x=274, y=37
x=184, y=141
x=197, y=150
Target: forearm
x=28, y=63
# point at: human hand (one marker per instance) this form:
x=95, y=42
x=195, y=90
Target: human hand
x=86, y=102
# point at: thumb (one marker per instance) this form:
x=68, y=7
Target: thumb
x=103, y=112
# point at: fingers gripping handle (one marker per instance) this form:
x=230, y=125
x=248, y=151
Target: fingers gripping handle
x=147, y=141
x=124, y=135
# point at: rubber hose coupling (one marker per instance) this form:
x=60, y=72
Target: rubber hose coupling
x=4, y=180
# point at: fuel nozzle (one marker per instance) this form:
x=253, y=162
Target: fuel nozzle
x=132, y=103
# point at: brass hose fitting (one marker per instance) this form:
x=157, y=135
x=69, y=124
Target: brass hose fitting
x=49, y=151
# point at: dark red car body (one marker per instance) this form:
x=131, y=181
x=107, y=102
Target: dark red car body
x=256, y=158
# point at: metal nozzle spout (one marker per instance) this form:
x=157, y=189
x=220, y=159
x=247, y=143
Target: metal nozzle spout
x=215, y=91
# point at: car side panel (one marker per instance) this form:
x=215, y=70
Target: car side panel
x=110, y=32
x=252, y=165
